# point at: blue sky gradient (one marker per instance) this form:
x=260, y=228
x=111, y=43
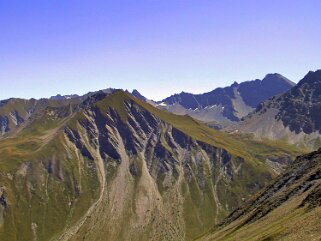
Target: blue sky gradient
x=156, y=46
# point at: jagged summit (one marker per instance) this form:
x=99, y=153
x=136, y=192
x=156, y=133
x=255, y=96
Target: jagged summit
x=311, y=78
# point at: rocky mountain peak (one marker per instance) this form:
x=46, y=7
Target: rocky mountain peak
x=275, y=78
x=235, y=84
x=138, y=95
x=312, y=77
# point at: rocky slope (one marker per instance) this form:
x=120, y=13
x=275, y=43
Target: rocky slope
x=288, y=209
x=294, y=115
x=116, y=168
x=229, y=104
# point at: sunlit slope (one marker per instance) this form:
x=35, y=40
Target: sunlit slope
x=116, y=168
x=45, y=183
x=288, y=209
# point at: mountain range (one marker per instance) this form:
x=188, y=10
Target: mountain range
x=116, y=168
x=113, y=165
x=229, y=104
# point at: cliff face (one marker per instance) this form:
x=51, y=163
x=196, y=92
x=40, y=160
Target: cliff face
x=117, y=168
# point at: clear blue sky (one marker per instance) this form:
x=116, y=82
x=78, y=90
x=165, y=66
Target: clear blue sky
x=157, y=46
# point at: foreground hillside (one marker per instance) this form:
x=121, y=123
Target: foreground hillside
x=288, y=209
x=115, y=168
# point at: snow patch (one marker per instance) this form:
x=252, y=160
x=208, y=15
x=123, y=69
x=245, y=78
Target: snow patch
x=163, y=104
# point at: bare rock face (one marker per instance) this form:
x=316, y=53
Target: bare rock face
x=4, y=124
x=3, y=205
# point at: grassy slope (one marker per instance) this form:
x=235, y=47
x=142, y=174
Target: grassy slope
x=49, y=199
x=288, y=209
x=285, y=223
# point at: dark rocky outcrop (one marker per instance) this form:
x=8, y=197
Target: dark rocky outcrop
x=75, y=138
x=300, y=108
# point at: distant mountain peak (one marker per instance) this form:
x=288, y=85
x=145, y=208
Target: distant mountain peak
x=138, y=95
x=311, y=77
x=273, y=77
x=135, y=92
x=235, y=84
